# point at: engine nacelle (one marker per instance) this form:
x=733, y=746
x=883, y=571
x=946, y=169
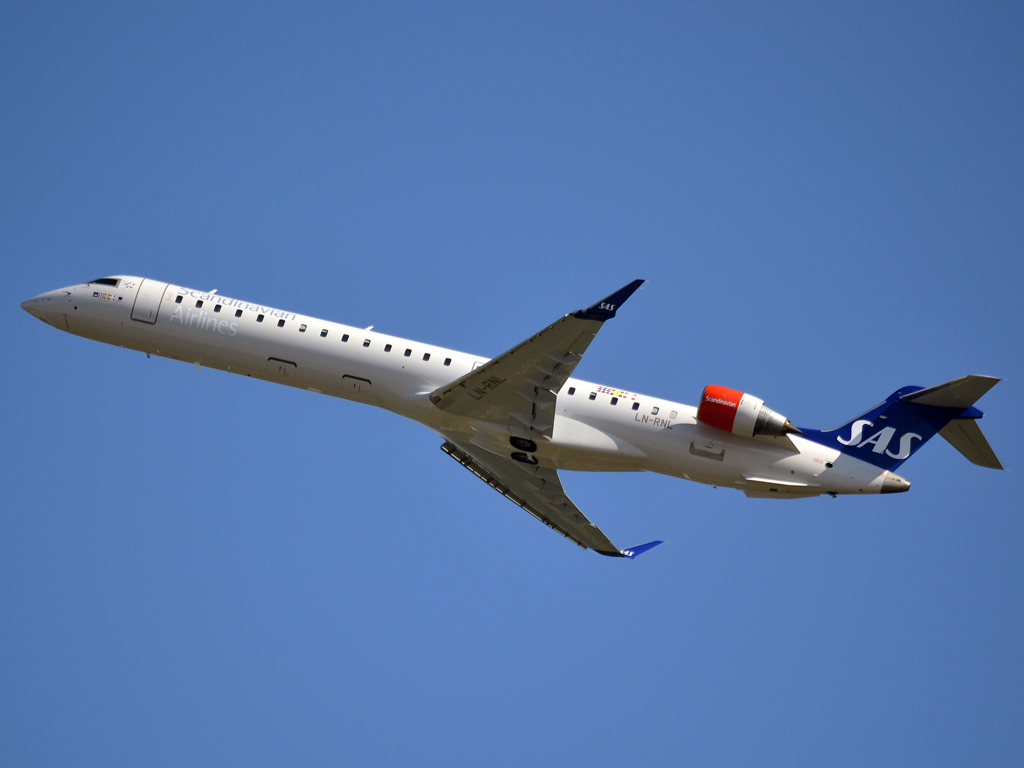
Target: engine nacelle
x=740, y=413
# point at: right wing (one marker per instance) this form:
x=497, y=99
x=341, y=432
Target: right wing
x=518, y=389
x=539, y=491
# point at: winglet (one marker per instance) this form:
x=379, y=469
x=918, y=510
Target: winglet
x=605, y=309
x=639, y=550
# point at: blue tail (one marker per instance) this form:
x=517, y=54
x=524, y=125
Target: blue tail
x=892, y=432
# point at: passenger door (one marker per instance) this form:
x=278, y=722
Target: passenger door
x=147, y=301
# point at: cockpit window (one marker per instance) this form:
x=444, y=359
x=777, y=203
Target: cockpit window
x=106, y=281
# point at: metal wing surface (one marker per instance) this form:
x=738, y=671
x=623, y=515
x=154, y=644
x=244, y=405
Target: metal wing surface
x=519, y=387
x=539, y=491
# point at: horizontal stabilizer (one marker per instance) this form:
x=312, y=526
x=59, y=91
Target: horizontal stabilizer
x=966, y=436
x=640, y=549
x=959, y=393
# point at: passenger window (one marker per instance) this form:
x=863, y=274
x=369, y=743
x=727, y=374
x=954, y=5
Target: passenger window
x=259, y=318
x=408, y=352
x=217, y=307
x=387, y=347
x=199, y=303
x=636, y=406
x=345, y=337
x=238, y=313
x=323, y=334
x=572, y=390
x=447, y=361
x=426, y=355
x=593, y=395
x=615, y=400
x=366, y=342
x=177, y=299
x=280, y=323
x=672, y=415
x=654, y=411
x=302, y=328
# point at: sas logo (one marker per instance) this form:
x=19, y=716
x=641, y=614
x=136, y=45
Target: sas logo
x=879, y=441
x=609, y=307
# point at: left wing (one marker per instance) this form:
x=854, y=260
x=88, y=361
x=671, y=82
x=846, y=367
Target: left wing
x=518, y=388
x=539, y=491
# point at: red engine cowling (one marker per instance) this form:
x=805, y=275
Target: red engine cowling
x=740, y=413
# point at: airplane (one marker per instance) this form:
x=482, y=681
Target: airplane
x=516, y=420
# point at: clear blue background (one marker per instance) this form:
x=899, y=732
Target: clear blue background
x=200, y=569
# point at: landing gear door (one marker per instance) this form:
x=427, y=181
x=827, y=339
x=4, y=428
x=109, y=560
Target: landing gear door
x=147, y=301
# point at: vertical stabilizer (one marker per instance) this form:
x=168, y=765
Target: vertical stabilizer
x=892, y=432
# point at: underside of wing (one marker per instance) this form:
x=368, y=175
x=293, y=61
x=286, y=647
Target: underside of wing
x=518, y=389
x=516, y=392
x=539, y=491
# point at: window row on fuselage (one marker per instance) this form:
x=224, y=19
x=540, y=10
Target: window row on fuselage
x=614, y=400
x=324, y=332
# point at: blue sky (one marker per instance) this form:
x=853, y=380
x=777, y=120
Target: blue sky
x=196, y=568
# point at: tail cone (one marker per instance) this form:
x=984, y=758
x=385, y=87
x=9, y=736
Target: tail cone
x=893, y=483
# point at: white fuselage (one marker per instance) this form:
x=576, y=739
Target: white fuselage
x=590, y=433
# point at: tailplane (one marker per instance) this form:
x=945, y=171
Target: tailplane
x=964, y=434
x=893, y=431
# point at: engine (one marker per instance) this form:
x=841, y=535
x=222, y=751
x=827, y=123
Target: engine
x=740, y=413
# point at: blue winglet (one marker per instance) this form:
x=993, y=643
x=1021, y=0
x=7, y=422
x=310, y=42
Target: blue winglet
x=605, y=309
x=639, y=550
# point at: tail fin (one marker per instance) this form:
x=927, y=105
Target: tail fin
x=893, y=431
x=964, y=434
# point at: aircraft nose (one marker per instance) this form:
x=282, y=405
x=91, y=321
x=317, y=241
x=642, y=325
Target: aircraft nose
x=47, y=306
x=31, y=305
